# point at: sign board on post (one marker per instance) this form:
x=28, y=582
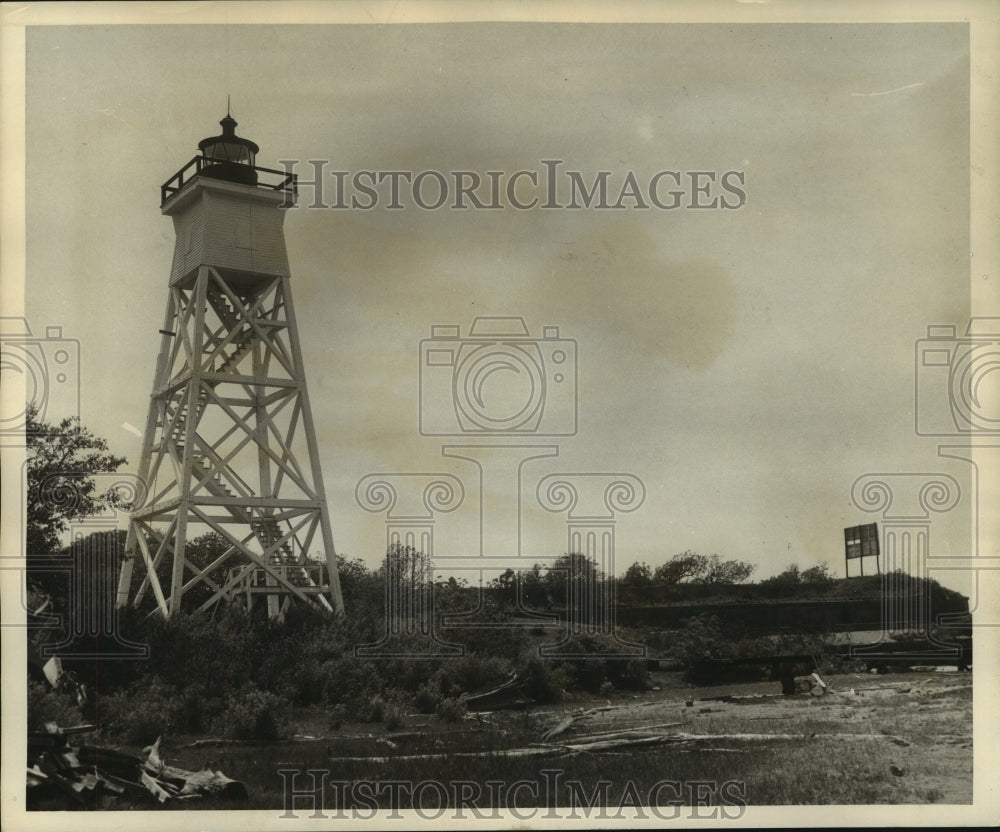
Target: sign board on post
x=861, y=542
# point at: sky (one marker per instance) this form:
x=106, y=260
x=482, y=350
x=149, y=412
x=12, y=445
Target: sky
x=747, y=365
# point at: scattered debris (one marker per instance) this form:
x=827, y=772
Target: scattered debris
x=819, y=684
x=556, y=730
x=803, y=684
x=511, y=694
x=642, y=737
x=66, y=682
x=88, y=775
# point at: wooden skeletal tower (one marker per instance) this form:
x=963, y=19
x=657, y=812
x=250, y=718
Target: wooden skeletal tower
x=229, y=445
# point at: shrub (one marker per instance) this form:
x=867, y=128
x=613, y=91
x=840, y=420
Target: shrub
x=426, y=700
x=393, y=716
x=631, y=674
x=48, y=705
x=544, y=683
x=253, y=714
x=337, y=717
x=450, y=709
x=151, y=708
x=470, y=673
x=349, y=682
x=701, y=638
x=594, y=659
x=373, y=710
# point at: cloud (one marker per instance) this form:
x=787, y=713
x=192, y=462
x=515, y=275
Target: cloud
x=616, y=282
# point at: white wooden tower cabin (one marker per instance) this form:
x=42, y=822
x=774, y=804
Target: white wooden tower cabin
x=229, y=445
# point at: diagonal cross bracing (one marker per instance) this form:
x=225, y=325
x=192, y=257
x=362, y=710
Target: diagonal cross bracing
x=229, y=428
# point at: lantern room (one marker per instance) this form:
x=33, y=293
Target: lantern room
x=229, y=156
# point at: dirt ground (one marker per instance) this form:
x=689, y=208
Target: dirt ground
x=919, y=723
x=900, y=738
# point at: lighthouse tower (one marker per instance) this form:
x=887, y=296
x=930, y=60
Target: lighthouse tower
x=229, y=458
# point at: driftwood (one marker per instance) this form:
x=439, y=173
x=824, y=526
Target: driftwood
x=643, y=730
x=395, y=736
x=511, y=694
x=532, y=751
x=632, y=738
x=556, y=730
x=83, y=773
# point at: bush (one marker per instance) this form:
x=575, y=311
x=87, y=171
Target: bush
x=469, y=674
x=544, y=683
x=48, y=705
x=393, y=716
x=426, y=700
x=253, y=714
x=701, y=638
x=151, y=708
x=451, y=709
x=594, y=659
x=349, y=682
x=630, y=674
x=373, y=710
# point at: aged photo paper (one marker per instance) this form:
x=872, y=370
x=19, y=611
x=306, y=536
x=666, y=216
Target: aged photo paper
x=487, y=414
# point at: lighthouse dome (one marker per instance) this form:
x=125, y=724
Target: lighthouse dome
x=229, y=157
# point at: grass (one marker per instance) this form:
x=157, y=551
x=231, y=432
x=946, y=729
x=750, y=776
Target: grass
x=924, y=736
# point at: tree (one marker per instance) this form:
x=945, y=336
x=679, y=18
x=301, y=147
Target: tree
x=63, y=461
x=407, y=574
x=638, y=575
x=363, y=589
x=819, y=574
x=202, y=552
x=504, y=588
x=719, y=571
x=695, y=568
x=783, y=583
x=684, y=566
x=532, y=587
x=572, y=574
x=407, y=565
x=635, y=583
